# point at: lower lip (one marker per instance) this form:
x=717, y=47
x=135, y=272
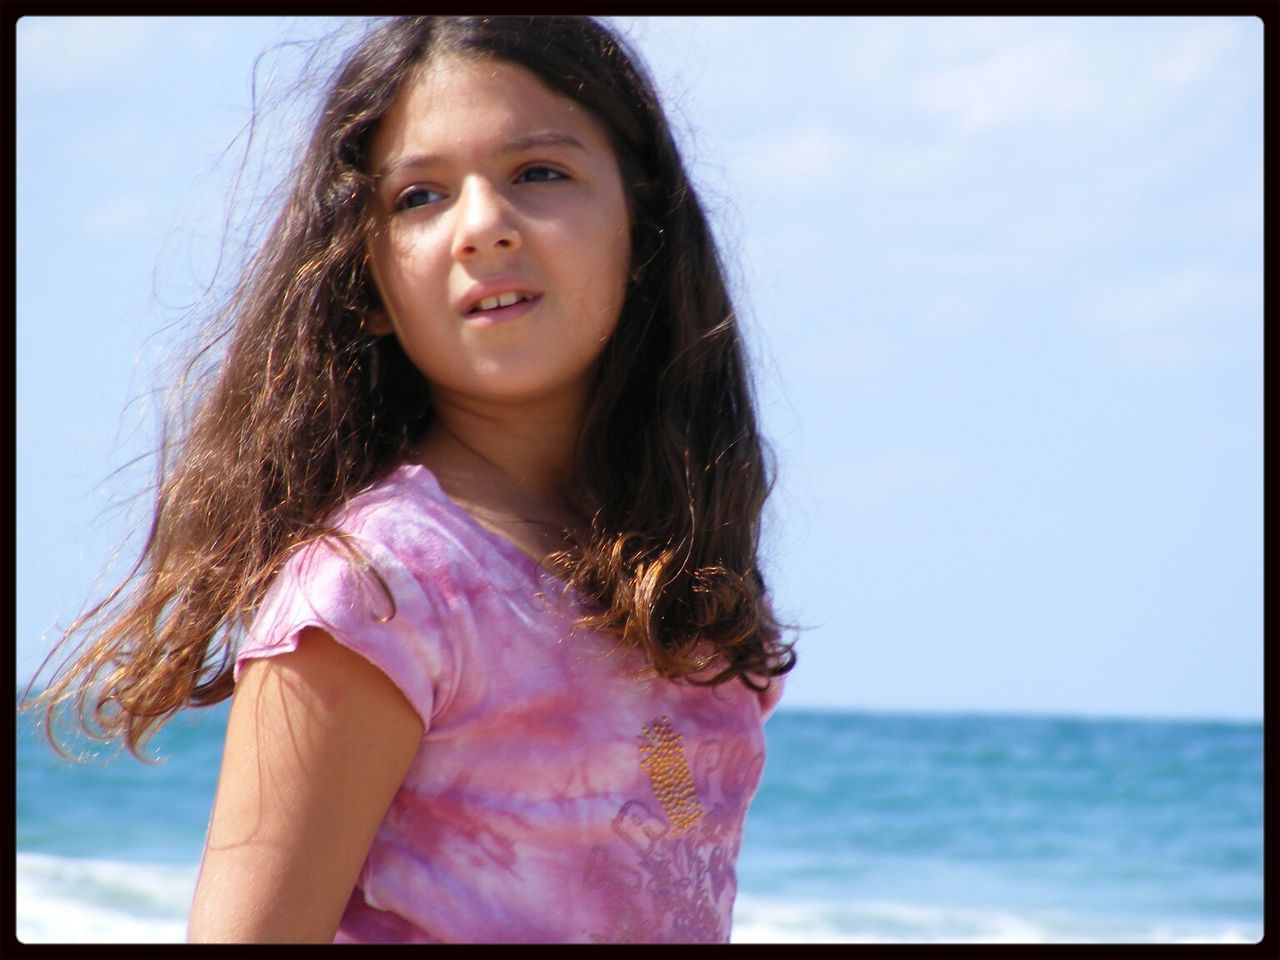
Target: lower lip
x=488, y=318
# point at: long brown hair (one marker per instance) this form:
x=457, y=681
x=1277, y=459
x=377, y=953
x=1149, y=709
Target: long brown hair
x=306, y=409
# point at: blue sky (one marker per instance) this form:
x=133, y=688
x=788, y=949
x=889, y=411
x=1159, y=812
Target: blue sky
x=1002, y=279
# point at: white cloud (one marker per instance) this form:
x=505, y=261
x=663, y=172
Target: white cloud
x=120, y=215
x=978, y=259
x=982, y=74
x=117, y=146
x=905, y=474
x=919, y=468
x=807, y=155
x=813, y=157
x=1192, y=55
x=873, y=52
x=821, y=351
x=1038, y=77
x=1154, y=302
x=60, y=53
x=950, y=312
x=1171, y=319
x=203, y=37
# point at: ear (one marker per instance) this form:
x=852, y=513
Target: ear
x=378, y=323
x=375, y=320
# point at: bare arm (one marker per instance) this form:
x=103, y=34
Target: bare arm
x=318, y=741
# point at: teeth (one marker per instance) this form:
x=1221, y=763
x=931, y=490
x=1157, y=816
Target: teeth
x=502, y=300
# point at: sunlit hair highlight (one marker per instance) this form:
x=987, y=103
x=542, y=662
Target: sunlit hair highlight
x=307, y=408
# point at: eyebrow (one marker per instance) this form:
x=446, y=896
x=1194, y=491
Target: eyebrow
x=547, y=138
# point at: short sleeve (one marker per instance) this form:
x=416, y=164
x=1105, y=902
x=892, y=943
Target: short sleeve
x=398, y=629
x=770, y=696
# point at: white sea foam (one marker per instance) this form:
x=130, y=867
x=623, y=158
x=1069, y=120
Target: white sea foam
x=759, y=919
x=66, y=900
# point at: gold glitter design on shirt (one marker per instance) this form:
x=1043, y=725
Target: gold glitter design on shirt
x=663, y=759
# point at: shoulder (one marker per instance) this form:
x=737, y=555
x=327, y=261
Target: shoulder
x=379, y=588
x=406, y=514
x=396, y=536
x=398, y=510
x=317, y=743
x=770, y=696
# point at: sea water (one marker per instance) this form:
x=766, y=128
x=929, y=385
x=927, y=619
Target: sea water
x=979, y=829
x=868, y=827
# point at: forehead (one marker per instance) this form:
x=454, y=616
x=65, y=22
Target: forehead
x=473, y=104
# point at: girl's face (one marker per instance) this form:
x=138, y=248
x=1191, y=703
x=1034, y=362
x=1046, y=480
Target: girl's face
x=502, y=243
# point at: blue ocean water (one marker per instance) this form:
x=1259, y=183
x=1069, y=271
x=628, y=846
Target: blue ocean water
x=945, y=828
x=869, y=827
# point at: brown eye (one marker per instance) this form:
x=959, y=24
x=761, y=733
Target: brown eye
x=417, y=197
x=540, y=175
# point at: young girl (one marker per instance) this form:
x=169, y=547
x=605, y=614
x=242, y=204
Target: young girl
x=469, y=522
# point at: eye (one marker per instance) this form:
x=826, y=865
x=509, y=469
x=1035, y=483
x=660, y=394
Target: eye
x=539, y=174
x=417, y=197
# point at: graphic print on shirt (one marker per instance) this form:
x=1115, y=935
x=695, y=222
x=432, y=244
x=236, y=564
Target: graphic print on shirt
x=662, y=758
x=675, y=884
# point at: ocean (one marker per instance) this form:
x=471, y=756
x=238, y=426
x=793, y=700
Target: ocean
x=868, y=828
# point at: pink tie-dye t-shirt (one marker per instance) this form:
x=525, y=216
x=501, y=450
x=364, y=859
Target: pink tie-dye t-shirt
x=560, y=793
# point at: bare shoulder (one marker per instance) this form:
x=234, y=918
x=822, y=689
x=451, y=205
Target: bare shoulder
x=325, y=683
x=318, y=741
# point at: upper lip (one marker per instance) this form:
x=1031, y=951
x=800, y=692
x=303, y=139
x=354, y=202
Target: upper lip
x=494, y=288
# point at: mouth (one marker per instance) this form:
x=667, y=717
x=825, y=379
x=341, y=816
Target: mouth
x=501, y=301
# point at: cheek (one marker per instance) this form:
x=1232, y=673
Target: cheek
x=594, y=264
x=614, y=266
x=404, y=270
x=608, y=282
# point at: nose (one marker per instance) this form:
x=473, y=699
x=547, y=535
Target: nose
x=485, y=224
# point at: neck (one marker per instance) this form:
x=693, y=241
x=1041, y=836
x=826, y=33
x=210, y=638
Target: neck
x=525, y=453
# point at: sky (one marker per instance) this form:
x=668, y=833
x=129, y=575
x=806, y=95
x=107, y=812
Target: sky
x=1001, y=280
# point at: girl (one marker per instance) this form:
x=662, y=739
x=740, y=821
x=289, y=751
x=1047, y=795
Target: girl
x=469, y=522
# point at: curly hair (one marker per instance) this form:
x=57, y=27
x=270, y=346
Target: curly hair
x=672, y=472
